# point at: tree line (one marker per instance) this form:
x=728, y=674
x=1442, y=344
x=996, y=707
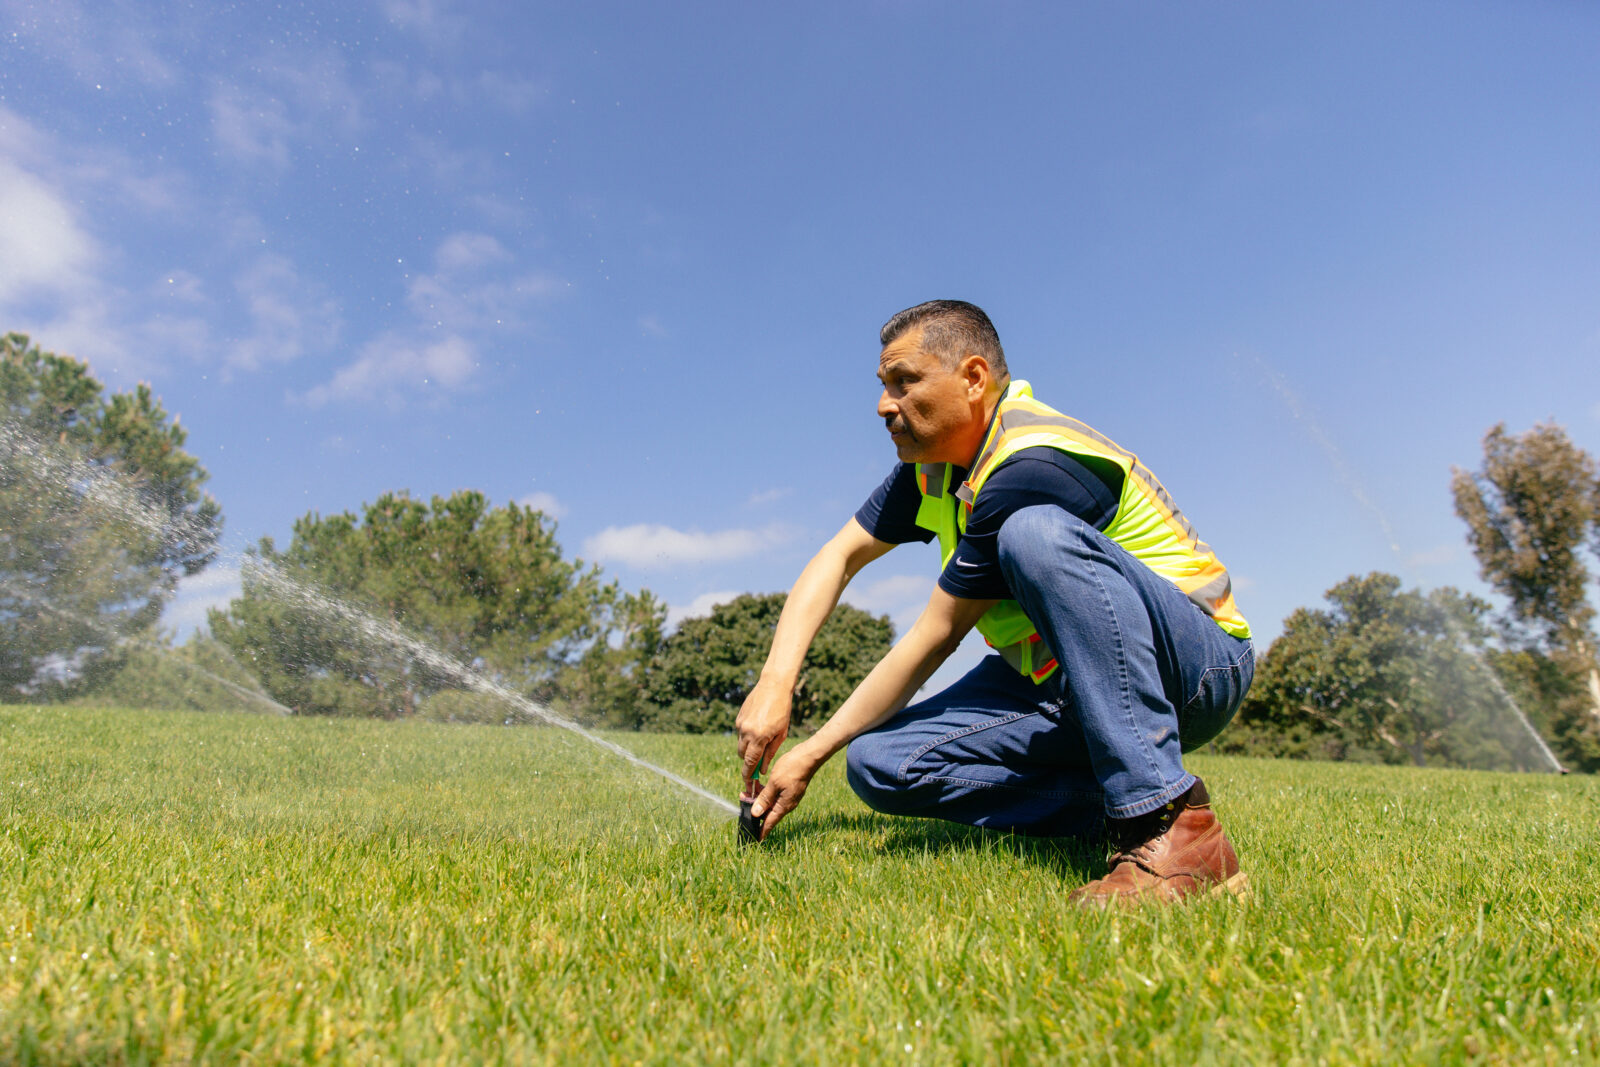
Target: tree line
x=102, y=512
x=1439, y=677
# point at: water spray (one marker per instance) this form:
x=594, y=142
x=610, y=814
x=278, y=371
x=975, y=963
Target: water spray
x=139, y=642
x=293, y=590
x=102, y=489
x=1348, y=479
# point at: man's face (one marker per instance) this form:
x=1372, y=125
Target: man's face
x=928, y=410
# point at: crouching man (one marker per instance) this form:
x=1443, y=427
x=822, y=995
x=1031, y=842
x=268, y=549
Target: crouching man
x=1117, y=642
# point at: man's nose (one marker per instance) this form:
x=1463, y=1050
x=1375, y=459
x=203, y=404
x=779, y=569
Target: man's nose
x=886, y=407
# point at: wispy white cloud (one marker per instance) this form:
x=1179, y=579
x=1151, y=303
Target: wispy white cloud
x=466, y=291
x=452, y=302
x=497, y=210
x=287, y=315
x=515, y=93
x=468, y=251
x=96, y=49
x=469, y=291
x=180, y=285
x=93, y=173
x=252, y=128
x=88, y=328
x=901, y=597
x=50, y=285
x=318, y=82
x=651, y=546
x=391, y=369
x=304, y=97
x=57, y=278
x=885, y=596
x=427, y=18
x=700, y=605
x=768, y=496
x=545, y=502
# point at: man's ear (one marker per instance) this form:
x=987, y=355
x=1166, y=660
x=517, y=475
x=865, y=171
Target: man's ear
x=975, y=372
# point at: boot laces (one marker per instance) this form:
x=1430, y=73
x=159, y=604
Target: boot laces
x=1137, y=840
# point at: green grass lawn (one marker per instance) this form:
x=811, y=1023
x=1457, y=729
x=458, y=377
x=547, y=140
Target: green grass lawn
x=211, y=888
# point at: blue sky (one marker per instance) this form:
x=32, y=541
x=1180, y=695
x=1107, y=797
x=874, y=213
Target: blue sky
x=628, y=261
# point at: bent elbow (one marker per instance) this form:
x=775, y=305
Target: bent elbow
x=946, y=648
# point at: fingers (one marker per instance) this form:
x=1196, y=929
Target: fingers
x=755, y=752
x=773, y=818
x=776, y=800
x=752, y=765
x=768, y=797
x=769, y=755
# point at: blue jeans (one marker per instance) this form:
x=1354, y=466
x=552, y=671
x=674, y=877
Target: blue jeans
x=1145, y=674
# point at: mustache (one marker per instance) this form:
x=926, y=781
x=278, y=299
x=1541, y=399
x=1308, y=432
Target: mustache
x=895, y=424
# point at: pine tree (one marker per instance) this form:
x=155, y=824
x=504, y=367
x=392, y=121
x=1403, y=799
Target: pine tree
x=101, y=513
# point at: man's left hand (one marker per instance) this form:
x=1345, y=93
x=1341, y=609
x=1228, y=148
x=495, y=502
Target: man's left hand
x=785, y=787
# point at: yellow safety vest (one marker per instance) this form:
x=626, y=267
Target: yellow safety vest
x=1147, y=523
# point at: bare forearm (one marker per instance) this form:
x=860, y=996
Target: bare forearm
x=936, y=634
x=882, y=693
x=814, y=596
x=892, y=683
x=763, y=719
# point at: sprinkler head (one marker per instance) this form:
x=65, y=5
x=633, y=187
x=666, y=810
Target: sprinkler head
x=749, y=825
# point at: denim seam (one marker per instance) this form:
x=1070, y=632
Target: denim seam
x=1143, y=807
x=1122, y=668
x=1200, y=687
x=1057, y=794
x=900, y=772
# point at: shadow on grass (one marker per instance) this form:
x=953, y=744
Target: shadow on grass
x=1070, y=858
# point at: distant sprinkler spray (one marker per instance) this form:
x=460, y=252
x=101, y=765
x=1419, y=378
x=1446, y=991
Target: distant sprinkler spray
x=1314, y=430
x=1348, y=479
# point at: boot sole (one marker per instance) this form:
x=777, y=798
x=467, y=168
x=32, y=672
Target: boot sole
x=1238, y=887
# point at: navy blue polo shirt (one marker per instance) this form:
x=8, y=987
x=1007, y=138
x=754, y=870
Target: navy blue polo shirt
x=1088, y=488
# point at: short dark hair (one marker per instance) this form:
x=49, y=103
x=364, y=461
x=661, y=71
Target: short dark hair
x=951, y=329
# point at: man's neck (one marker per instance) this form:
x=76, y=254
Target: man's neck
x=991, y=408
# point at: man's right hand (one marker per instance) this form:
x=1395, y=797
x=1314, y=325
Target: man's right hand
x=762, y=725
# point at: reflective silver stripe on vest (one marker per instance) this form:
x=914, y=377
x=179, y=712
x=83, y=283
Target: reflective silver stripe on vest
x=1211, y=594
x=931, y=475
x=1012, y=420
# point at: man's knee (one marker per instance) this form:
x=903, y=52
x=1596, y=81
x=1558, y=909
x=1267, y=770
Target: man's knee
x=1040, y=544
x=1041, y=528
x=869, y=767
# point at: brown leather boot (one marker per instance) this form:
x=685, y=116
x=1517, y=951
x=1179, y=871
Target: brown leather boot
x=1172, y=853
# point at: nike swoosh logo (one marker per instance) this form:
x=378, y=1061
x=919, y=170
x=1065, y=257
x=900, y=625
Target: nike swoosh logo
x=964, y=563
